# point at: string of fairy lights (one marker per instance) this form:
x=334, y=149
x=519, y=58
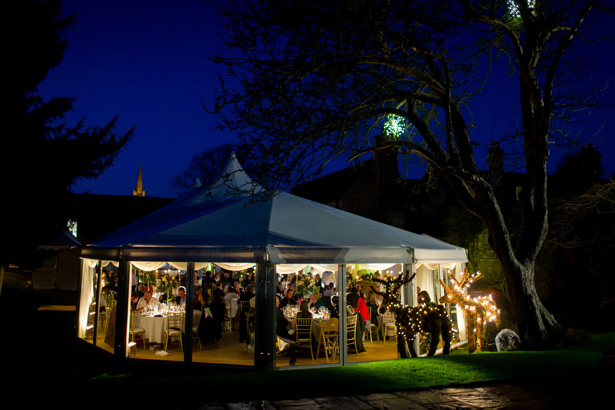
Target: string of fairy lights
x=477, y=311
x=410, y=320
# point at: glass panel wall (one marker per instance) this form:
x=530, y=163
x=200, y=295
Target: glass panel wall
x=374, y=335
x=223, y=314
x=97, y=302
x=157, y=311
x=307, y=315
x=89, y=315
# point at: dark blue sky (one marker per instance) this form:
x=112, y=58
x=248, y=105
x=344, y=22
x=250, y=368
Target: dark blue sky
x=146, y=61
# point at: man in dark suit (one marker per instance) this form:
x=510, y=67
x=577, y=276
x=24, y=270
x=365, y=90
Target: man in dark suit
x=180, y=299
x=288, y=299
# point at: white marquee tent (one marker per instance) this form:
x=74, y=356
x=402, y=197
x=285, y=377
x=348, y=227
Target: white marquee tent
x=227, y=222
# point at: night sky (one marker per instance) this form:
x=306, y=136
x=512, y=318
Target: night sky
x=146, y=61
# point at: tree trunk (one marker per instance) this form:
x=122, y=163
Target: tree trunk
x=532, y=318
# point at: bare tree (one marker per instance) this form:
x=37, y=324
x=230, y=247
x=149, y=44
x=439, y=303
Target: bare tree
x=308, y=82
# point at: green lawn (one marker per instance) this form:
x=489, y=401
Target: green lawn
x=456, y=369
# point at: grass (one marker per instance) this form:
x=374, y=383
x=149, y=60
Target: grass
x=52, y=366
x=454, y=370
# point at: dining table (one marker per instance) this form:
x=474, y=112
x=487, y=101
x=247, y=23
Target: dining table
x=154, y=323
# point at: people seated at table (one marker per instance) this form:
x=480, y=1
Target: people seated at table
x=288, y=299
x=315, y=302
x=147, y=302
x=327, y=294
x=372, y=306
x=335, y=304
x=282, y=324
x=231, y=294
x=134, y=300
x=197, y=297
x=304, y=310
x=180, y=299
x=232, y=299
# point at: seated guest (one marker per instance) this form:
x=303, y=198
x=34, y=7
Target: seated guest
x=335, y=302
x=147, y=301
x=231, y=294
x=281, y=323
x=134, y=300
x=304, y=310
x=372, y=305
x=233, y=299
x=328, y=290
x=180, y=299
x=315, y=302
x=248, y=294
x=288, y=299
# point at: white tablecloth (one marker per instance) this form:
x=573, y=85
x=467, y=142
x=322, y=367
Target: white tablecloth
x=154, y=327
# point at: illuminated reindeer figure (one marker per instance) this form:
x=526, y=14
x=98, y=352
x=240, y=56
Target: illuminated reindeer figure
x=427, y=317
x=478, y=312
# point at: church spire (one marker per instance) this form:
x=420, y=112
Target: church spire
x=139, y=191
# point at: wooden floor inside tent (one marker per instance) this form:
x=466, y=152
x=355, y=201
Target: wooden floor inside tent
x=230, y=351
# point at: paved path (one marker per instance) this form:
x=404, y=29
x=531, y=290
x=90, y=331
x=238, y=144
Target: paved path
x=595, y=391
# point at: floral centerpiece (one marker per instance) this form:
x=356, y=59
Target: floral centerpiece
x=306, y=287
x=167, y=283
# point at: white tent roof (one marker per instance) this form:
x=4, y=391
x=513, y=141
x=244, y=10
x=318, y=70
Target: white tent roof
x=224, y=223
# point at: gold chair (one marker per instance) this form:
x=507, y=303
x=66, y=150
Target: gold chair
x=373, y=328
x=330, y=332
x=195, y=330
x=351, y=331
x=303, y=332
x=109, y=305
x=389, y=323
x=175, y=325
x=136, y=331
x=227, y=315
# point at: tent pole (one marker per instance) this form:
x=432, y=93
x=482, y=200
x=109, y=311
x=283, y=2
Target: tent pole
x=122, y=309
x=341, y=290
x=188, y=316
x=264, y=317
